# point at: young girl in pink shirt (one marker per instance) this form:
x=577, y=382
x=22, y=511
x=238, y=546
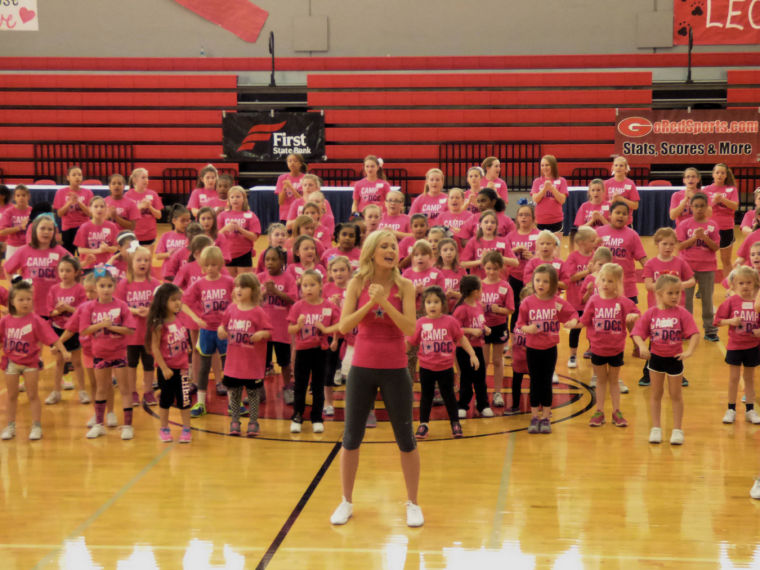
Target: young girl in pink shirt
x=309, y=183
x=373, y=188
x=394, y=218
x=21, y=333
x=451, y=271
x=121, y=211
x=304, y=258
x=176, y=238
x=667, y=325
x=498, y=303
x=519, y=362
x=277, y=236
x=340, y=272
x=15, y=219
x=178, y=258
x=487, y=199
x=750, y=221
x=239, y=228
x=419, y=227
x=71, y=205
x=607, y=318
x=547, y=246
x=680, y=201
x=207, y=219
x=205, y=194
x=574, y=270
x=491, y=168
x=303, y=226
x=348, y=238
x=620, y=188
x=96, y=239
x=596, y=210
x=456, y=216
x=625, y=245
x=549, y=192
x=522, y=241
x=486, y=240
x=541, y=315
x=371, y=215
x=723, y=198
x=432, y=202
x=246, y=328
x=149, y=206
x=288, y=187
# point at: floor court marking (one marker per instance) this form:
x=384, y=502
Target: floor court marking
x=501, y=500
x=105, y=506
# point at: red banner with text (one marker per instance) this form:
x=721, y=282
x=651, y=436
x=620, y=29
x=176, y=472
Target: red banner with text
x=716, y=22
x=677, y=136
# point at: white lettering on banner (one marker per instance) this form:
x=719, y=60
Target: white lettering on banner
x=730, y=14
x=283, y=144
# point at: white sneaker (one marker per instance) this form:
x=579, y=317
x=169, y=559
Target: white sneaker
x=344, y=512
x=111, y=420
x=329, y=410
x=655, y=435
x=676, y=437
x=84, y=397
x=752, y=416
x=91, y=421
x=486, y=413
x=295, y=427
x=572, y=362
x=127, y=432
x=22, y=387
x=462, y=414
x=318, y=427
x=729, y=417
x=555, y=378
x=68, y=385
x=9, y=432
x=593, y=381
x=414, y=516
x=53, y=398
x=36, y=432
x=754, y=492
x=623, y=387
x=96, y=431
x=498, y=400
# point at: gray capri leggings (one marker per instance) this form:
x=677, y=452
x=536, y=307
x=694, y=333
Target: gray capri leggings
x=361, y=389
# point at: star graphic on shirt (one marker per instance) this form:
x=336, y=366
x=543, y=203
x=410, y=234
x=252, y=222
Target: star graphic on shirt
x=379, y=313
x=427, y=347
x=599, y=325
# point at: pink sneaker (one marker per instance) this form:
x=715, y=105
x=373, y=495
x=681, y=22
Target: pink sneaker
x=186, y=436
x=165, y=435
x=149, y=398
x=135, y=400
x=597, y=419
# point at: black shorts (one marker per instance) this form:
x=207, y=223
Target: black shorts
x=137, y=352
x=147, y=242
x=72, y=344
x=175, y=391
x=749, y=357
x=554, y=228
x=499, y=334
x=635, y=299
x=231, y=382
x=669, y=365
x=616, y=360
x=282, y=352
x=245, y=260
x=726, y=238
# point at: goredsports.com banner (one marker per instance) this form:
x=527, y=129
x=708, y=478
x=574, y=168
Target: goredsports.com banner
x=677, y=136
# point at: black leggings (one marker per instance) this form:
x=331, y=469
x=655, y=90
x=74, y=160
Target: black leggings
x=517, y=378
x=67, y=237
x=575, y=334
x=468, y=377
x=541, y=364
x=309, y=362
x=332, y=363
x=517, y=286
x=445, y=379
x=395, y=385
x=136, y=353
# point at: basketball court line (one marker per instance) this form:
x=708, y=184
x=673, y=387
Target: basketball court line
x=501, y=500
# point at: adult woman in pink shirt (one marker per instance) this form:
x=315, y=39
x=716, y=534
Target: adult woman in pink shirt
x=549, y=192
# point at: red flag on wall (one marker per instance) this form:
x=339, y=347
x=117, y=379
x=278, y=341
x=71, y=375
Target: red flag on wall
x=240, y=17
x=716, y=22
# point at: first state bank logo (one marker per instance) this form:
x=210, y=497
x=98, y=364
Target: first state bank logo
x=259, y=133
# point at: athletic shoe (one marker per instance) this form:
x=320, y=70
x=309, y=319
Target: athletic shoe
x=752, y=416
x=149, y=399
x=253, y=429
x=186, y=436
x=498, y=400
x=462, y=413
x=198, y=410
x=593, y=381
x=729, y=417
x=330, y=411
x=486, y=413
x=371, y=420
x=22, y=386
x=221, y=389
x=36, y=432
x=533, y=427
x=623, y=387
x=587, y=354
x=288, y=395
x=512, y=411
x=344, y=512
x=676, y=437
x=422, y=432
x=234, y=428
x=96, y=431
x=618, y=419
x=572, y=362
x=84, y=397
x=684, y=382
x=135, y=400
x=9, y=432
x=555, y=378
x=655, y=435
x=295, y=427
x=456, y=430
x=545, y=426
x=127, y=432
x=712, y=337
x=414, y=516
x=318, y=427
x=754, y=492
x=111, y=420
x=437, y=400
x=91, y=421
x=644, y=381
x=165, y=435
x=53, y=398
x=68, y=385
x=597, y=419
x=243, y=411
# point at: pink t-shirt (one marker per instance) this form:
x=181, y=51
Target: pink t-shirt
x=748, y=221
x=125, y=208
x=209, y=299
x=309, y=336
x=366, y=193
x=201, y=198
x=656, y=267
x=235, y=244
x=505, y=225
x=137, y=294
x=667, y=329
x=547, y=315
x=173, y=266
x=72, y=296
x=589, y=286
x=625, y=188
x=175, y=345
x=740, y=337
x=91, y=236
x=426, y=278
x=406, y=245
x=74, y=217
x=246, y=360
x=72, y=324
x=171, y=241
x=399, y=223
x=548, y=210
x=575, y=263
x=698, y=255
x=379, y=342
x=604, y=320
x=499, y=294
x=274, y=307
x=323, y=235
x=12, y=217
x=21, y=338
x=39, y=265
x=296, y=209
x=431, y=206
x=583, y=216
x=476, y=248
x=290, y=196
x=145, y=227
x=519, y=357
x=534, y=262
x=437, y=340
x=471, y=317
x=499, y=186
x=352, y=255
x=526, y=241
x=675, y=200
x=455, y=222
x=295, y=270
x=626, y=247
x=746, y=245
x=721, y=213
x=451, y=280
x=107, y=344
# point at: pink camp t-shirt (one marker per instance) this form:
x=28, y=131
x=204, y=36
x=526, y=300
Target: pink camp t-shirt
x=575, y=263
x=499, y=186
x=39, y=265
x=72, y=296
x=667, y=329
x=431, y=206
x=235, y=244
x=91, y=236
x=534, y=262
x=296, y=270
x=547, y=315
x=519, y=356
x=426, y=278
x=406, y=245
x=589, y=286
x=246, y=360
x=333, y=252
x=698, y=255
x=721, y=213
x=505, y=225
x=379, y=342
x=12, y=217
x=209, y=299
x=366, y=193
x=399, y=223
x=145, y=226
x=21, y=338
x=201, y=198
x=309, y=336
x=175, y=345
x=675, y=200
x=604, y=320
x=136, y=295
x=499, y=294
x=171, y=241
x=107, y=344
x=451, y=280
x=295, y=181
x=471, y=317
x=587, y=209
x=746, y=245
x=437, y=341
x=188, y=272
x=476, y=248
x=548, y=210
x=740, y=337
x=626, y=247
x=748, y=221
x=455, y=222
x=323, y=236
x=74, y=217
x=275, y=308
x=656, y=267
x=296, y=209
x=528, y=243
x=625, y=188
x=125, y=208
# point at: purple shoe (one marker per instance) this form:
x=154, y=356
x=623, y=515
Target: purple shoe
x=533, y=427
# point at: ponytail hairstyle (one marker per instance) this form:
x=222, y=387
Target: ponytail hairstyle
x=427, y=175
x=379, y=162
x=204, y=170
x=467, y=285
x=301, y=162
x=497, y=203
x=548, y=269
x=176, y=211
x=214, y=230
x=197, y=245
x=730, y=179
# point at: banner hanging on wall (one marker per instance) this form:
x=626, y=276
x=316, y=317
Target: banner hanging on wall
x=677, y=136
x=716, y=22
x=266, y=136
x=19, y=16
